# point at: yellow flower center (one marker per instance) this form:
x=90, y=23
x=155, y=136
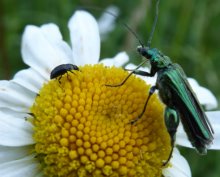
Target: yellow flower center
x=82, y=127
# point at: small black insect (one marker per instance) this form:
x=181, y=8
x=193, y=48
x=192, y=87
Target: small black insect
x=59, y=70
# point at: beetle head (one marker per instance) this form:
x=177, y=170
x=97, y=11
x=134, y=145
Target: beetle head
x=143, y=51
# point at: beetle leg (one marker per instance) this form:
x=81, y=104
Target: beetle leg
x=171, y=121
x=152, y=90
x=71, y=72
x=133, y=71
x=120, y=84
x=68, y=77
x=59, y=79
x=140, y=72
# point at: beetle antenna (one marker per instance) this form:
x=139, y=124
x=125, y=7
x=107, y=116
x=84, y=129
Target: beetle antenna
x=154, y=25
x=135, y=34
x=119, y=21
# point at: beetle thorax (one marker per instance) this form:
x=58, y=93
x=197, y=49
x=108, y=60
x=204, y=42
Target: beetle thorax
x=158, y=59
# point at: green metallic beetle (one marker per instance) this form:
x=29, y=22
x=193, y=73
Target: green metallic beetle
x=181, y=103
x=176, y=93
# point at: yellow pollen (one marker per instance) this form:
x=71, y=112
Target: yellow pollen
x=82, y=129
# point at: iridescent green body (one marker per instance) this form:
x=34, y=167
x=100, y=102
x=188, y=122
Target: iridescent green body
x=181, y=102
x=179, y=98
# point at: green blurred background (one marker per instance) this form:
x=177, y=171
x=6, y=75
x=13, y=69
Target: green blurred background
x=188, y=31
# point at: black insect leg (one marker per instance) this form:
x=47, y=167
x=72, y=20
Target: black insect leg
x=120, y=84
x=67, y=74
x=30, y=115
x=171, y=121
x=59, y=79
x=133, y=72
x=152, y=90
x=138, y=72
x=141, y=73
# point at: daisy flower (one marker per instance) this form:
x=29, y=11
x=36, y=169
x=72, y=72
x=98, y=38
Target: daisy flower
x=74, y=125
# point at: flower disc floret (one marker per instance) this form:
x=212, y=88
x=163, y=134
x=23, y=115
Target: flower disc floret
x=82, y=127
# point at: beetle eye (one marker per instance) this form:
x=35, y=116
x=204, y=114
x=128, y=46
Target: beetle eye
x=139, y=49
x=144, y=52
x=75, y=67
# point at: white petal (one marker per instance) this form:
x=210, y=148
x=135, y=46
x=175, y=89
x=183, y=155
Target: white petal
x=107, y=21
x=119, y=60
x=204, y=95
x=15, y=97
x=213, y=117
x=15, y=114
x=14, y=131
x=181, y=137
x=26, y=167
x=133, y=66
x=107, y=62
x=30, y=79
x=85, y=38
x=8, y=153
x=43, y=48
x=179, y=166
